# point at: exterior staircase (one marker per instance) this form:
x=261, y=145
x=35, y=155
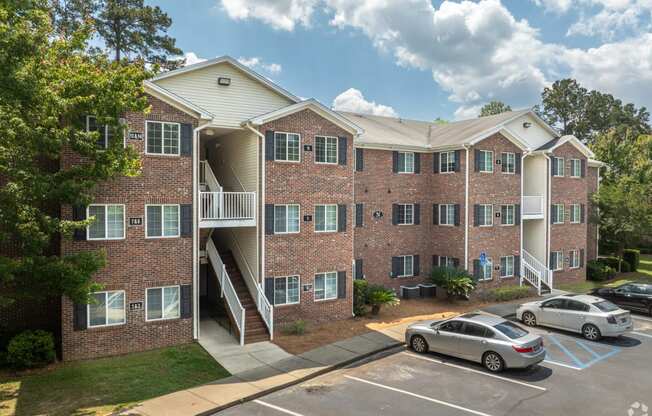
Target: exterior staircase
x=536, y=274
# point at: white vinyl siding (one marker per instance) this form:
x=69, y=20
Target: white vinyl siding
x=447, y=214
x=162, y=221
x=163, y=303
x=325, y=218
x=486, y=215
x=287, y=147
x=326, y=150
x=107, y=309
x=286, y=290
x=446, y=162
x=286, y=219
x=488, y=158
x=326, y=286
x=162, y=138
x=109, y=222
x=405, y=162
x=507, y=266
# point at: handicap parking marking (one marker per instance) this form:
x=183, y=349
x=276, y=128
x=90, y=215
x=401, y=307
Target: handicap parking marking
x=578, y=363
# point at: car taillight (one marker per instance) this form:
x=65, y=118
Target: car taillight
x=522, y=350
x=611, y=319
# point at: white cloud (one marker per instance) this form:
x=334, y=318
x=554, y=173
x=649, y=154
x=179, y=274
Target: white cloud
x=555, y=6
x=465, y=113
x=352, y=100
x=279, y=14
x=192, y=58
x=257, y=63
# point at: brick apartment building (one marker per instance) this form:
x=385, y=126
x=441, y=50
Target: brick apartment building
x=266, y=207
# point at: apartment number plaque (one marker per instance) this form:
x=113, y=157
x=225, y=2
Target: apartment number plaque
x=378, y=214
x=136, y=135
x=307, y=218
x=307, y=147
x=307, y=288
x=135, y=306
x=135, y=221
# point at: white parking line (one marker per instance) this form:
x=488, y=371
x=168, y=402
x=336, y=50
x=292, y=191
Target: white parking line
x=277, y=408
x=641, y=334
x=475, y=371
x=640, y=318
x=430, y=399
x=562, y=365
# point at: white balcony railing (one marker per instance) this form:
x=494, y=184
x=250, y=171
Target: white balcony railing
x=532, y=206
x=535, y=272
x=217, y=206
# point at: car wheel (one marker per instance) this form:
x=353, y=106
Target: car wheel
x=591, y=332
x=529, y=319
x=419, y=344
x=493, y=362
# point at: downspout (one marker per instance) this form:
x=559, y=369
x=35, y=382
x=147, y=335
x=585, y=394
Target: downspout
x=261, y=202
x=520, y=269
x=547, y=212
x=466, y=209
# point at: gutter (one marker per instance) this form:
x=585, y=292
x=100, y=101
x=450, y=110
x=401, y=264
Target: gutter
x=547, y=210
x=195, y=230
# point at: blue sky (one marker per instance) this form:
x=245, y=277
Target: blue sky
x=422, y=59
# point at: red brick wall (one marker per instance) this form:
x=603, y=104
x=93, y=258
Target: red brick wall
x=307, y=253
x=136, y=263
x=568, y=191
x=495, y=188
x=592, y=175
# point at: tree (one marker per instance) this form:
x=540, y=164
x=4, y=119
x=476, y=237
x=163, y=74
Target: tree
x=68, y=16
x=493, y=108
x=49, y=84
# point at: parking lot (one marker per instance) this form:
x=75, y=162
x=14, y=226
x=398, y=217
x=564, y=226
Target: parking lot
x=578, y=377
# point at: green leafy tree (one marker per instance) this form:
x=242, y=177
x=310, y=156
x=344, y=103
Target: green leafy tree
x=49, y=84
x=493, y=108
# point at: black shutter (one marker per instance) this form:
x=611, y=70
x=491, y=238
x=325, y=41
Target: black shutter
x=517, y=214
x=394, y=214
x=269, y=145
x=395, y=162
x=359, y=217
x=476, y=215
x=397, y=265
x=80, y=318
x=79, y=214
x=476, y=160
x=551, y=262
x=185, y=212
x=269, y=219
x=417, y=214
x=341, y=285
x=476, y=269
x=435, y=261
x=582, y=168
x=553, y=214
x=417, y=163
x=458, y=154
x=186, y=301
x=553, y=166
x=517, y=163
x=341, y=218
x=582, y=213
x=269, y=289
x=186, y=139
x=581, y=257
x=359, y=269
x=342, y=149
x=517, y=266
x=456, y=212
x=435, y=214
x=416, y=265
x=503, y=162
x=435, y=162
x=359, y=160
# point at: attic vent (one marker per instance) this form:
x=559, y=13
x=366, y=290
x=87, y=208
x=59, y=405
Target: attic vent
x=224, y=81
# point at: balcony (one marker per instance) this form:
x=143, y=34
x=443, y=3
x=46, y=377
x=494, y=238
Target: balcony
x=227, y=209
x=532, y=207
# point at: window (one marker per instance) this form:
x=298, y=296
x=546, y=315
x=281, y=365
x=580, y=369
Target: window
x=326, y=149
x=286, y=147
x=507, y=266
x=107, y=309
x=405, y=214
x=576, y=168
x=325, y=218
x=447, y=214
x=326, y=286
x=558, y=214
x=558, y=167
x=445, y=261
x=507, y=215
x=574, y=305
x=447, y=162
x=510, y=329
x=163, y=138
x=509, y=162
x=474, y=330
x=573, y=259
x=286, y=219
x=163, y=303
x=554, y=304
x=286, y=290
x=486, y=270
x=451, y=326
x=162, y=220
x=486, y=161
x=557, y=260
x=575, y=213
x=109, y=222
x=606, y=306
x=408, y=266
x=485, y=215
x=105, y=132
x=405, y=162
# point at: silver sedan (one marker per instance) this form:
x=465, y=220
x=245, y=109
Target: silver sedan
x=486, y=339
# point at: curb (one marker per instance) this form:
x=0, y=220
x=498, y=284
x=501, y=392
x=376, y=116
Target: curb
x=300, y=380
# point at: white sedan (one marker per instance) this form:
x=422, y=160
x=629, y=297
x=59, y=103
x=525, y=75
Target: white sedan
x=588, y=315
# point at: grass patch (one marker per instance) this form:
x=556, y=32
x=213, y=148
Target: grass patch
x=644, y=275
x=101, y=386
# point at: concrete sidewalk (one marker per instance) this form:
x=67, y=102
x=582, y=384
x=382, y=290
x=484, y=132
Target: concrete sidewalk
x=250, y=383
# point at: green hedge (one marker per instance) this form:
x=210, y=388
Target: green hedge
x=360, y=297
x=506, y=293
x=599, y=271
x=613, y=261
x=31, y=349
x=633, y=257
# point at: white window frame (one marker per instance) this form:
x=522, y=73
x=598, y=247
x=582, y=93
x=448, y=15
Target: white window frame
x=491, y=215
x=489, y=265
x=162, y=318
x=561, y=167
x=575, y=164
x=449, y=215
x=162, y=123
x=575, y=213
x=405, y=164
x=501, y=266
x=513, y=165
x=446, y=261
x=106, y=317
x=337, y=150
x=484, y=154
x=560, y=209
x=286, y=160
x=106, y=133
x=406, y=262
x=405, y=206
x=325, y=275
x=502, y=218
x=559, y=260
x=287, y=219
x=163, y=221
x=106, y=224
x=445, y=167
x=326, y=230
x=573, y=259
x=286, y=278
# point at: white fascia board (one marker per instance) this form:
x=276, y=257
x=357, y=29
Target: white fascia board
x=409, y=148
x=596, y=163
x=511, y=136
x=176, y=101
x=575, y=142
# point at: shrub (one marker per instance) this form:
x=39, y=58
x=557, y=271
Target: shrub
x=456, y=282
x=598, y=271
x=633, y=257
x=460, y=287
x=610, y=261
x=31, y=349
x=378, y=296
x=506, y=293
x=625, y=267
x=441, y=275
x=297, y=327
x=360, y=288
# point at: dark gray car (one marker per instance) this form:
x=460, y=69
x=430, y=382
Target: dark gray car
x=492, y=341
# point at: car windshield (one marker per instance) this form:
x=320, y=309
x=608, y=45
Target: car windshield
x=511, y=330
x=605, y=306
